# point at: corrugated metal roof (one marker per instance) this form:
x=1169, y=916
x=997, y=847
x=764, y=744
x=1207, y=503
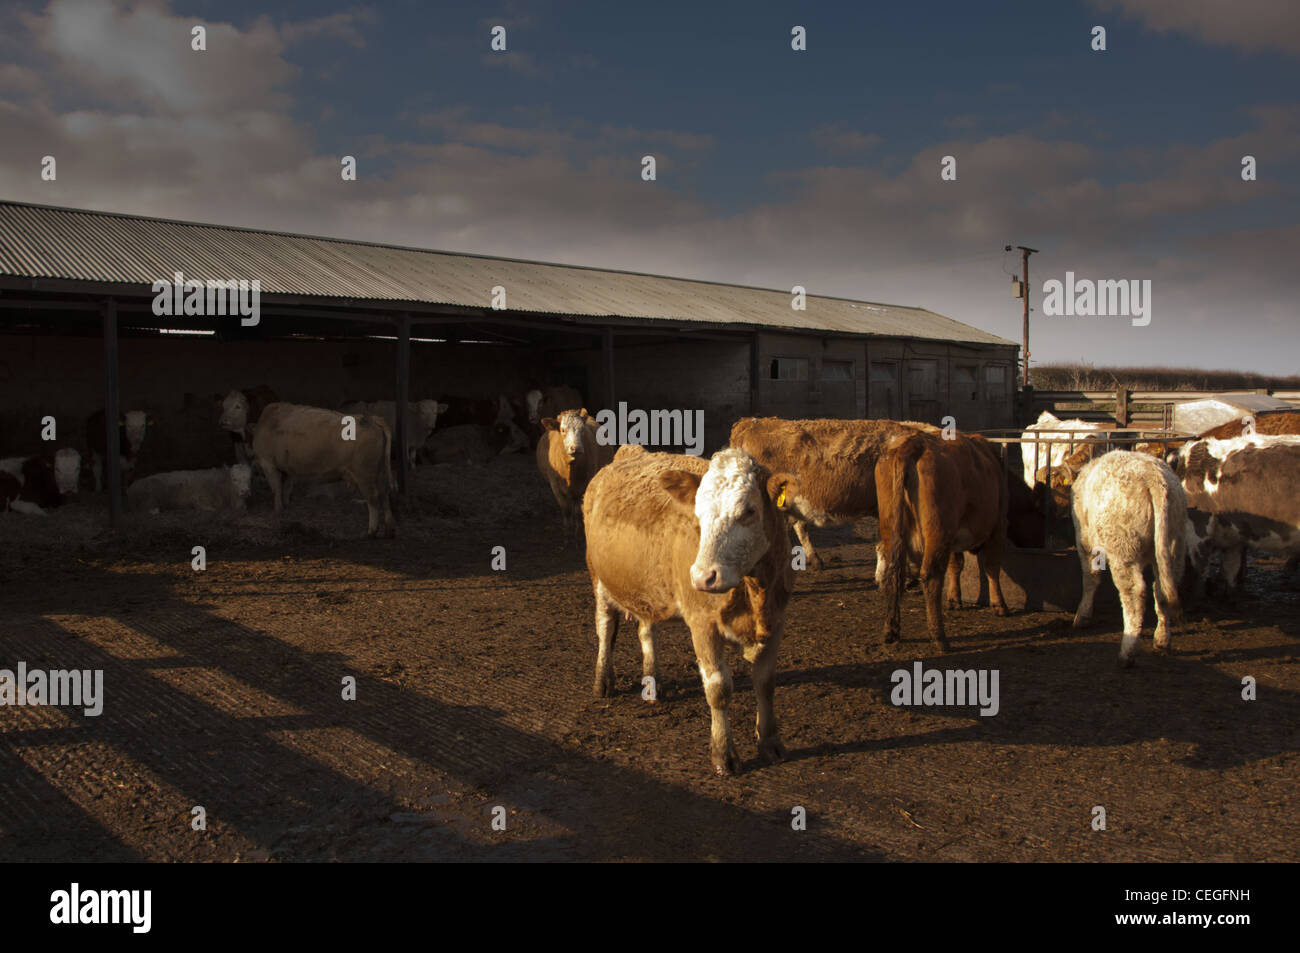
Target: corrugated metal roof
x=38, y=241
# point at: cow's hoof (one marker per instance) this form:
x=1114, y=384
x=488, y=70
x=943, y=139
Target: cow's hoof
x=1159, y=649
x=1002, y=611
x=954, y=605
x=817, y=565
x=1126, y=661
x=604, y=687
x=1082, y=621
x=941, y=645
x=727, y=763
x=772, y=750
x=890, y=637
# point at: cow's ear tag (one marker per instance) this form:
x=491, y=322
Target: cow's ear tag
x=780, y=497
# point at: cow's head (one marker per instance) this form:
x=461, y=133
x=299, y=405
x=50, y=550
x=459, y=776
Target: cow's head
x=730, y=501
x=427, y=410
x=534, y=401
x=241, y=485
x=67, y=470
x=234, y=412
x=570, y=425
x=135, y=422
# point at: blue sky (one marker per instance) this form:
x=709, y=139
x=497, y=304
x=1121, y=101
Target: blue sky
x=775, y=167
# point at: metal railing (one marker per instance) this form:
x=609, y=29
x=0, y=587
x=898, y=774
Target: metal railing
x=1105, y=439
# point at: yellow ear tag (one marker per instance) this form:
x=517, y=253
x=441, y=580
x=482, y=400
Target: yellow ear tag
x=780, y=497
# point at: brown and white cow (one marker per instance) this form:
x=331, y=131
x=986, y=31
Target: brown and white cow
x=131, y=429
x=292, y=441
x=1130, y=512
x=835, y=461
x=568, y=456
x=671, y=536
x=939, y=498
x=1036, y=455
x=1241, y=494
x=240, y=412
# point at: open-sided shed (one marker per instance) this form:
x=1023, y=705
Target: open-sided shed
x=355, y=320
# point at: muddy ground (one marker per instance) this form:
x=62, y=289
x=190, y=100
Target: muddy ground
x=223, y=689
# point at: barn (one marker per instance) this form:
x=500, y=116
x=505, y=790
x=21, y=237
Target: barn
x=341, y=320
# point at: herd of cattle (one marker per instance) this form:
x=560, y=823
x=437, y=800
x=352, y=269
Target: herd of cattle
x=707, y=541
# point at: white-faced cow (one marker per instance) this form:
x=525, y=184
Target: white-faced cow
x=217, y=488
x=240, y=412
x=1129, y=513
x=672, y=536
x=1241, y=494
x=568, y=456
x=939, y=498
x=131, y=429
x=296, y=441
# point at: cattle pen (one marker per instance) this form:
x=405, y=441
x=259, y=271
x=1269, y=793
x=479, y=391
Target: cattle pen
x=317, y=696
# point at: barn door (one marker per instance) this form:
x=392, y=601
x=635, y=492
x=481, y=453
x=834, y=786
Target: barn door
x=964, y=389
x=884, y=401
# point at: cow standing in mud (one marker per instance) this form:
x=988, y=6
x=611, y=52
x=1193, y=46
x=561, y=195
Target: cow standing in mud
x=940, y=497
x=1130, y=512
x=673, y=536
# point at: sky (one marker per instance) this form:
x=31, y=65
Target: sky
x=774, y=167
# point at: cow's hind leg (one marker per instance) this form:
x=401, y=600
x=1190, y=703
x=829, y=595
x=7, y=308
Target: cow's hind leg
x=952, y=585
x=1132, y=596
x=649, y=665
x=1083, y=615
x=991, y=560
x=763, y=658
x=934, y=566
x=813, y=558
x=606, y=632
x=717, y=691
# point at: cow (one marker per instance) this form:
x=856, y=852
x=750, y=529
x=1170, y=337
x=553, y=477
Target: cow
x=671, y=536
x=421, y=419
x=939, y=497
x=1063, y=474
x=131, y=429
x=30, y=484
x=835, y=462
x=217, y=488
x=1130, y=512
x=1241, y=494
x=292, y=440
x=1285, y=422
x=568, y=456
x=240, y=412
x=1036, y=455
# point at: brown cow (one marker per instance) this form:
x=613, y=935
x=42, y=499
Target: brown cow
x=835, y=462
x=672, y=536
x=568, y=456
x=939, y=498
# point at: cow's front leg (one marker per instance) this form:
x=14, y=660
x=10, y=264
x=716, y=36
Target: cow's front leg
x=763, y=657
x=717, y=691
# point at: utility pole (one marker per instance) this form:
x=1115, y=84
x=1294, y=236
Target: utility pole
x=1024, y=262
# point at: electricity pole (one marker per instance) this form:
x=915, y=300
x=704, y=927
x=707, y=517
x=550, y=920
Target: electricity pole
x=1024, y=262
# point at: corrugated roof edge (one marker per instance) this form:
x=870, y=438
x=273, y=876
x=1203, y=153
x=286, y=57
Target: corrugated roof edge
x=483, y=257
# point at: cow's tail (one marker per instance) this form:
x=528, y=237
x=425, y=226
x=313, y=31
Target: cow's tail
x=1170, y=520
x=903, y=456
